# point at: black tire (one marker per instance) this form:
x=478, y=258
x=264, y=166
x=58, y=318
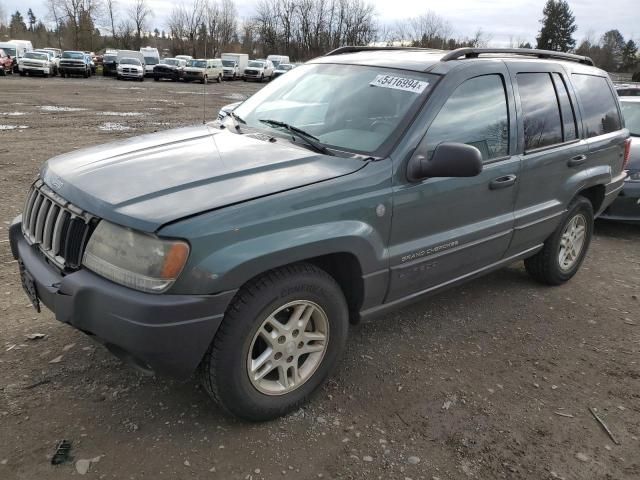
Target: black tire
x=142, y=79
x=156, y=79
x=23, y=74
x=85, y=74
x=223, y=370
x=545, y=266
x=219, y=78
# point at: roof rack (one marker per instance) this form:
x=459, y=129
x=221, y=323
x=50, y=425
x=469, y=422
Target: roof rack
x=475, y=52
x=353, y=49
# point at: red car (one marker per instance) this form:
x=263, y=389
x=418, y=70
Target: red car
x=6, y=63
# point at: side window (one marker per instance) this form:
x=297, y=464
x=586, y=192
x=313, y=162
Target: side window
x=566, y=109
x=542, y=124
x=599, y=110
x=475, y=114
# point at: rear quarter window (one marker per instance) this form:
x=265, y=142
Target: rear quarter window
x=599, y=109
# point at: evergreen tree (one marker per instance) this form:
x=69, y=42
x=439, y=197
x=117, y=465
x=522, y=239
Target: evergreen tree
x=32, y=20
x=629, y=56
x=17, y=27
x=612, y=46
x=558, y=27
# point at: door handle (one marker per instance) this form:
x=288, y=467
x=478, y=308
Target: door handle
x=502, y=182
x=577, y=160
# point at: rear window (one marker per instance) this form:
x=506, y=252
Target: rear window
x=599, y=110
x=542, y=123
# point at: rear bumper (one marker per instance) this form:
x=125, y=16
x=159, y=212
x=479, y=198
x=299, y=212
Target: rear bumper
x=625, y=207
x=167, y=334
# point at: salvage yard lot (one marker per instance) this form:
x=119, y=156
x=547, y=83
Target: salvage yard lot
x=493, y=379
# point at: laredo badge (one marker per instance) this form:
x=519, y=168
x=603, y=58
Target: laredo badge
x=399, y=83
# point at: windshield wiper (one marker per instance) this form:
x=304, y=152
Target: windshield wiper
x=308, y=138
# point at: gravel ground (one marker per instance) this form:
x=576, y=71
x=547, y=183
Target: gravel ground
x=493, y=379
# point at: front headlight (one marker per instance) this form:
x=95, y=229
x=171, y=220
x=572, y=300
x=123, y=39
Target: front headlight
x=134, y=259
x=634, y=176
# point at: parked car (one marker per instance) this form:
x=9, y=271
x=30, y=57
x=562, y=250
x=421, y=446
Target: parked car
x=57, y=54
x=35, y=63
x=109, y=63
x=202, y=70
x=626, y=208
x=92, y=64
x=130, y=68
x=74, y=62
x=170, y=68
x=186, y=58
x=233, y=65
x=258, y=70
x=276, y=60
x=628, y=90
x=6, y=63
x=52, y=60
x=357, y=183
x=151, y=59
x=11, y=49
x=282, y=69
x=227, y=109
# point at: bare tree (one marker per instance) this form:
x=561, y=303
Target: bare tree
x=111, y=6
x=139, y=13
x=80, y=15
x=184, y=23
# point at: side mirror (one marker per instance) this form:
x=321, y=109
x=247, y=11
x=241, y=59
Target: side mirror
x=448, y=160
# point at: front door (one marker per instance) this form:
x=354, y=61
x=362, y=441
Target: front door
x=444, y=229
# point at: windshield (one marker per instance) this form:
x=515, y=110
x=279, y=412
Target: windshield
x=151, y=60
x=354, y=108
x=74, y=55
x=197, y=63
x=228, y=63
x=130, y=61
x=110, y=58
x=36, y=55
x=631, y=113
x=256, y=64
x=285, y=66
x=171, y=61
x=9, y=51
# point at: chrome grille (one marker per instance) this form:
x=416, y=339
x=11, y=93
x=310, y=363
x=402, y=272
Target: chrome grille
x=59, y=229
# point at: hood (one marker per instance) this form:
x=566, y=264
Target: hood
x=147, y=181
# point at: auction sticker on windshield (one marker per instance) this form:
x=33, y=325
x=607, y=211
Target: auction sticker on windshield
x=399, y=83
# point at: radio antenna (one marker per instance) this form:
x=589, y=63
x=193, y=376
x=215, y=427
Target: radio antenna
x=204, y=84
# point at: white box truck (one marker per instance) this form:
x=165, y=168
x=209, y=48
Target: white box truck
x=233, y=65
x=151, y=59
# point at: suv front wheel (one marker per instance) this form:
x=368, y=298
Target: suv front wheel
x=281, y=336
x=565, y=249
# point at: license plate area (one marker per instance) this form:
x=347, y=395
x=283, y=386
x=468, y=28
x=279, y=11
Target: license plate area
x=29, y=286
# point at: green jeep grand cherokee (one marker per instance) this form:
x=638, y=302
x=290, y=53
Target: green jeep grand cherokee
x=359, y=182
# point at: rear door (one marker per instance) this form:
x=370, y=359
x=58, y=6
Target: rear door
x=444, y=229
x=553, y=156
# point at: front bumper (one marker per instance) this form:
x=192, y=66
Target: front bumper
x=626, y=207
x=131, y=74
x=30, y=68
x=167, y=334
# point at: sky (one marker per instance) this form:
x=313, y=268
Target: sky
x=501, y=19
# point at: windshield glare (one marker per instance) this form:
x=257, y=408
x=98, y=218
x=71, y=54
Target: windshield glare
x=353, y=108
x=631, y=113
x=197, y=63
x=130, y=61
x=36, y=56
x=74, y=55
x=256, y=64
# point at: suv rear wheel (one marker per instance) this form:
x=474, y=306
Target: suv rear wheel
x=564, y=251
x=281, y=337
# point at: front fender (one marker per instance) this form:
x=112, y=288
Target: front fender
x=349, y=214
